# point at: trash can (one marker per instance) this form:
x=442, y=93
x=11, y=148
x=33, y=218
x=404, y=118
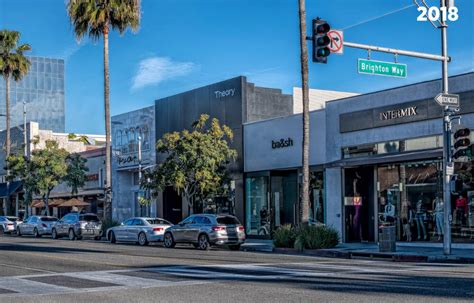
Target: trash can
x=387, y=238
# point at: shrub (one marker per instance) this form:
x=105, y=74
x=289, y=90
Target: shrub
x=284, y=236
x=315, y=237
x=106, y=224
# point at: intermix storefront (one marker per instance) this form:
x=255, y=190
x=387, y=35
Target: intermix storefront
x=376, y=160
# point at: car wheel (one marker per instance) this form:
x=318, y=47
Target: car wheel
x=169, y=241
x=142, y=240
x=234, y=247
x=203, y=242
x=54, y=234
x=112, y=238
x=36, y=233
x=72, y=235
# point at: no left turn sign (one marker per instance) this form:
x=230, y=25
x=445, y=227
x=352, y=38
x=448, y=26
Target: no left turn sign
x=337, y=41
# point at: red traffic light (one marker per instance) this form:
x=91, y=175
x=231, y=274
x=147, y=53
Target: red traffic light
x=464, y=132
x=322, y=28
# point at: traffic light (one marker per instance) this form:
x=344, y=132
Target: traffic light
x=321, y=41
x=462, y=144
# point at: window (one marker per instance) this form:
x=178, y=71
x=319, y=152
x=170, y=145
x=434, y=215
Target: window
x=128, y=222
x=158, y=222
x=138, y=222
x=118, y=138
x=202, y=220
x=49, y=219
x=188, y=220
x=227, y=220
x=89, y=218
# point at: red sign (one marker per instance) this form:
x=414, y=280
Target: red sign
x=337, y=41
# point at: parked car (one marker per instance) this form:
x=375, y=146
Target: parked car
x=140, y=230
x=8, y=224
x=77, y=226
x=37, y=226
x=205, y=230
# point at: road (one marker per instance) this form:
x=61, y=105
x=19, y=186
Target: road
x=45, y=270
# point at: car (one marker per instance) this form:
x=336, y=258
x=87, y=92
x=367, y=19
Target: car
x=8, y=224
x=77, y=226
x=205, y=230
x=140, y=230
x=36, y=226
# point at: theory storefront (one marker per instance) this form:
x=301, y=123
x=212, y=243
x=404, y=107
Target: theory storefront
x=387, y=159
x=272, y=153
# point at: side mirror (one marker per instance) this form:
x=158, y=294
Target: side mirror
x=121, y=224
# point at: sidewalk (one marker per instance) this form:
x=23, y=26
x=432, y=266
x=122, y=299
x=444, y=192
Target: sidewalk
x=404, y=253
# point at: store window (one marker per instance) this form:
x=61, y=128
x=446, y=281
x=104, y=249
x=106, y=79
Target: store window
x=410, y=197
x=257, y=217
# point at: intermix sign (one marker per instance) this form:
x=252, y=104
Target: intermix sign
x=381, y=68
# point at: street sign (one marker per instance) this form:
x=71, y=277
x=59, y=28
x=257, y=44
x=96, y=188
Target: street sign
x=447, y=100
x=381, y=68
x=337, y=41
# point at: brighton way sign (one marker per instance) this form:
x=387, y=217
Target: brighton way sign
x=382, y=68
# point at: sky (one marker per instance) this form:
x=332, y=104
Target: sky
x=185, y=44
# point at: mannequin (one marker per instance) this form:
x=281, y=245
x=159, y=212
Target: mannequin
x=420, y=218
x=407, y=221
x=389, y=213
x=461, y=209
x=438, y=206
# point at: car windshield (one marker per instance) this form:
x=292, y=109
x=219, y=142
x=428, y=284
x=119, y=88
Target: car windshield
x=13, y=219
x=49, y=219
x=158, y=221
x=227, y=220
x=92, y=218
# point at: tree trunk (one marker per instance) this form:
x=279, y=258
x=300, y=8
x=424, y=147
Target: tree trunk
x=46, y=203
x=304, y=209
x=108, y=168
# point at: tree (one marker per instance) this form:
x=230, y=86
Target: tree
x=76, y=168
x=45, y=169
x=96, y=18
x=13, y=64
x=196, y=161
x=304, y=205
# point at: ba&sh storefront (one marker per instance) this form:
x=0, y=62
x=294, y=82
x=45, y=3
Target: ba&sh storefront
x=272, y=153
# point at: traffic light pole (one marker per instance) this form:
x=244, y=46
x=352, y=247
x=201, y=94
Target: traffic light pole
x=448, y=166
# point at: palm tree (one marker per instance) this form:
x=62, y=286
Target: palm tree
x=13, y=64
x=95, y=18
x=304, y=208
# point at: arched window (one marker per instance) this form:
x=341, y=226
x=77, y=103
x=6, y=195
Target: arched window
x=132, y=140
x=146, y=137
x=125, y=140
x=118, y=138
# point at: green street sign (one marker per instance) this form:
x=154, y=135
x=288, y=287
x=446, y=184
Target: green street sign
x=381, y=68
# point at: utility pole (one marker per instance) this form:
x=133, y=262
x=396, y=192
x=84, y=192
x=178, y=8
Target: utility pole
x=139, y=167
x=24, y=131
x=448, y=166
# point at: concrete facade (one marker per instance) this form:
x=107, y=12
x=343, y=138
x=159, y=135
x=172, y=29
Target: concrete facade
x=328, y=140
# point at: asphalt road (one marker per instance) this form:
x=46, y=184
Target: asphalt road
x=45, y=270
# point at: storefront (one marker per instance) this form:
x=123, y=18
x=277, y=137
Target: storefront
x=385, y=153
x=273, y=178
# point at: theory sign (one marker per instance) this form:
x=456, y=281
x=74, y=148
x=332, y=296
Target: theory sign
x=381, y=68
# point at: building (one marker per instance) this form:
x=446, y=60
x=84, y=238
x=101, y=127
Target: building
x=43, y=91
x=317, y=98
x=376, y=160
x=234, y=102
x=36, y=138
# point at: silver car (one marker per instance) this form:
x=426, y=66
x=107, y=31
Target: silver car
x=36, y=226
x=139, y=230
x=77, y=226
x=205, y=230
x=8, y=224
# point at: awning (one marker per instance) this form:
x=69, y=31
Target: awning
x=13, y=187
x=74, y=202
x=55, y=202
x=37, y=204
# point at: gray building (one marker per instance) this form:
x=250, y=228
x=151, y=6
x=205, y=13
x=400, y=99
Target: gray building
x=43, y=91
x=376, y=160
x=234, y=102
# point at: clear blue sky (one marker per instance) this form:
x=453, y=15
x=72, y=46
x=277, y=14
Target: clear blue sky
x=183, y=44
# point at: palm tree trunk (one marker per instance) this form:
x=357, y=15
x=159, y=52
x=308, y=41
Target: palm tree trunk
x=7, y=118
x=304, y=209
x=108, y=172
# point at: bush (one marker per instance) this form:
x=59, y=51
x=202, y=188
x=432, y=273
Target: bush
x=106, y=224
x=315, y=237
x=284, y=236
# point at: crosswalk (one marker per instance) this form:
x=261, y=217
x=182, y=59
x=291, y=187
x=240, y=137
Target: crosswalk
x=166, y=276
